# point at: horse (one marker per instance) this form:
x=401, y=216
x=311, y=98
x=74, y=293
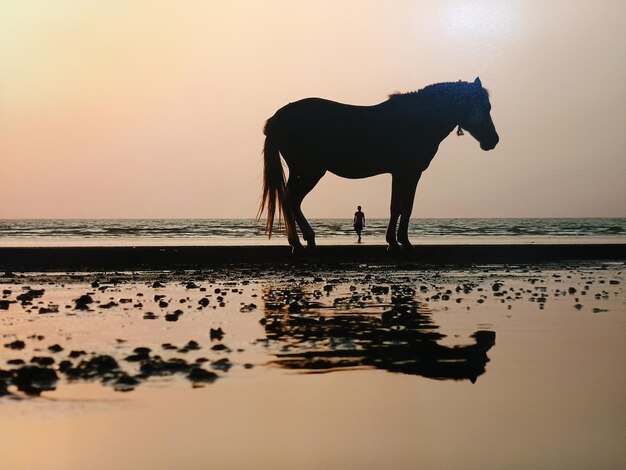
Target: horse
x=399, y=136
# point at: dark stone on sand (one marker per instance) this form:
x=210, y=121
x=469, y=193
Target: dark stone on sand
x=157, y=285
x=163, y=303
x=74, y=354
x=192, y=345
x=33, y=380
x=102, y=367
x=42, y=360
x=247, y=308
x=64, y=365
x=49, y=309
x=149, y=316
x=219, y=347
x=172, y=316
x=496, y=286
x=4, y=304
x=137, y=357
x=380, y=290
x=197, y=374
x=17, y=344
x=222, y=364
x=203, y=301
x=159, y=367
x=125, y=383
x=82, y=303
x=192, y=285
x=16, y=362
x=108, y=305
x=216, y=333
x=168, y=346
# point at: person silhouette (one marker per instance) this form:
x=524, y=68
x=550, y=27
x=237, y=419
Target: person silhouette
x=359, y=222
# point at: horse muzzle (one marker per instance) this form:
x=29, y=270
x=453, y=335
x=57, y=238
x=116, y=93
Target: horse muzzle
x=490, y=145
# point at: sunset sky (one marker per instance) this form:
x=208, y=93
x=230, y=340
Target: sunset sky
x=150, y=109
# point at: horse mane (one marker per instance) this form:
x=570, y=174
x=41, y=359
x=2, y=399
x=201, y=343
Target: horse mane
x=437, y=91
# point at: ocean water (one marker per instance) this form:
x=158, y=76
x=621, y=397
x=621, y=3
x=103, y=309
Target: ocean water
x=57, y=232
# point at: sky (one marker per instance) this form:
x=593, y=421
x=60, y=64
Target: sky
x=155, y=109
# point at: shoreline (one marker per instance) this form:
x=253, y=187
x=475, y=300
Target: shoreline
x=128, y=258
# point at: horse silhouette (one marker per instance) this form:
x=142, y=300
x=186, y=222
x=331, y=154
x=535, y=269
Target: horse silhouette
x=398, y=136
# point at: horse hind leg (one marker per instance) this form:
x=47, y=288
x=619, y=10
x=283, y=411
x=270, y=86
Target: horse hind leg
x=298, y=187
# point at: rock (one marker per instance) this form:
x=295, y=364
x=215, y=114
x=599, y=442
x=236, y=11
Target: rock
x=108, y=305
x=192, y=285
x=222, y=364
x=75, y=354
x=496, y=286
x=192, y=346
x=82, y=303
x=4, y=304
x=248, y=308
x=49, y=309
x=157, y=285
x=17, y=344
x=149, y=316
x=43, y=361
x=64, y=365
x=203, y=301
x=197, y=374
x=172, y=316
x=125, y=383
x=33, y=380
x=216, y=333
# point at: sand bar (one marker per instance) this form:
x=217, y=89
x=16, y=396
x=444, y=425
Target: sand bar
x=180, y=257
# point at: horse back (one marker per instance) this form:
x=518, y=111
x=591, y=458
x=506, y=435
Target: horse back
x=348, y=140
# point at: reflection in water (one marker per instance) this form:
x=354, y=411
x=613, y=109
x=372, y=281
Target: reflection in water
x=383, y=327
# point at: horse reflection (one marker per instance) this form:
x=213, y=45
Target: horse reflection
x=307, y=335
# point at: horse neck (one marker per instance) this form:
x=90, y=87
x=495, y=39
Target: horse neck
x=438, y=114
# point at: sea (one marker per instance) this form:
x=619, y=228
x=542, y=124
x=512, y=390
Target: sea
x=203, y=232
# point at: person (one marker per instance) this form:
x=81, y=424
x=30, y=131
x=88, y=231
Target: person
x=359, y=222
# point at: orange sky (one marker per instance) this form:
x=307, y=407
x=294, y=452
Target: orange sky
x=154, y=108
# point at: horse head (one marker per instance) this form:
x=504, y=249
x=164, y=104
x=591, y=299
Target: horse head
x=476, y=116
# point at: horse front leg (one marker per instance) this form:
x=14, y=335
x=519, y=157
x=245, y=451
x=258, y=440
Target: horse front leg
x=395, y=207
x=408, y=197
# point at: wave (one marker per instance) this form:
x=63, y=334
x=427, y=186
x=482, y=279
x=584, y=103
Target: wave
x=330, y=228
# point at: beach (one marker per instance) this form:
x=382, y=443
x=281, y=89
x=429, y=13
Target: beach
x=276, y=362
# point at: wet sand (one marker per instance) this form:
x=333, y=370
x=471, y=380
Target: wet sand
x=307, y=365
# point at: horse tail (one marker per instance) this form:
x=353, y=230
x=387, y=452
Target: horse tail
x=274, y=188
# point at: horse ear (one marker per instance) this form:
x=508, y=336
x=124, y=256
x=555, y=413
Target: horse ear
x=477, y=82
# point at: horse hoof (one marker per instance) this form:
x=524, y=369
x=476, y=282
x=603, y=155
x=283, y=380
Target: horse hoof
x=393, y=248
x=297, y=250
x=311, y=248
x=407, y=247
